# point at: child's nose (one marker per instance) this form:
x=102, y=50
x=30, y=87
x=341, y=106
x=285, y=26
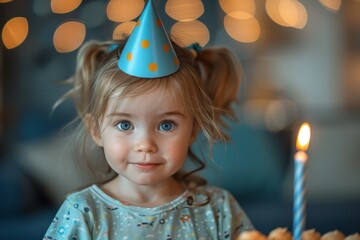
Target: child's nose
x=146, y=144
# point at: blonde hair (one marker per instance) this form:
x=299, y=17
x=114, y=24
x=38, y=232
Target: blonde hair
x=208, y=82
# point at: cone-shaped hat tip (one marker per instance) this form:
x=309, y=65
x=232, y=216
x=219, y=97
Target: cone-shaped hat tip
x=148, y=52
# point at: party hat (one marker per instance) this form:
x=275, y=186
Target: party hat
x=148, y=52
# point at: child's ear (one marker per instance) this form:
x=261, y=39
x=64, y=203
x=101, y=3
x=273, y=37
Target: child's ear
x=93, y=129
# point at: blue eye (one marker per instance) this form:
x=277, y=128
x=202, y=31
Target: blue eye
x=166, y=126
x=125, y=125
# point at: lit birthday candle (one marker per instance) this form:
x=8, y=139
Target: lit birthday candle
x=299, y=214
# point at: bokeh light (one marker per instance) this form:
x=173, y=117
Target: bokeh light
x=69, y=36
x=287, y=13
x=123, y=30
x=15, y=32
x=5, y=1
x=64, y=6
x=333, y=5
x=279, y=114
x=238, y=9
x=123, y=11
x=184, y=10
x=273, y=11
x=293, y=13
x=187, y=33
x=302, y=16
x=242, y=30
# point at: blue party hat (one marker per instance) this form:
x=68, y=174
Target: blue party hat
x=148, y=52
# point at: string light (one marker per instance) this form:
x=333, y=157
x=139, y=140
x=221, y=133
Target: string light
x=122, y=11
x=69, y=36
x=302, y=16
x=242, y=30
x=333, y=5
x=287, y=13
x=293, y=13
x=187, y=33
x=184, y=10
x=64, y=6
x=242, y=9
x=273, y=10
x=15, y=32
x=123, y=30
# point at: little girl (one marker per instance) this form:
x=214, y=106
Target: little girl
x=141, y=130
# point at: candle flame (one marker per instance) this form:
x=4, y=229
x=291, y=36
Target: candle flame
x=303, y=139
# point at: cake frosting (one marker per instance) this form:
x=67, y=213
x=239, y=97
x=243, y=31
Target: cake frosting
x=333, y=235
x=283, y=234
x=251, y=235
x=355, y=236
x=311, y=234
x=280, y=234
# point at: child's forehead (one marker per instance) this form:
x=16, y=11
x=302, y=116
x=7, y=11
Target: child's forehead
x=161, y=97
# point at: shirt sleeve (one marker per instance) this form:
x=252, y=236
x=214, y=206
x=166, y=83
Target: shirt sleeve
x=232, y=219
x=241, y=221
x=69, y=223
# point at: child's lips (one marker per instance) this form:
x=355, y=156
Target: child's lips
x=147, y=166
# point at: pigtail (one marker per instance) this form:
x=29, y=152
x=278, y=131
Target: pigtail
x=90, y=58
x=221, y=74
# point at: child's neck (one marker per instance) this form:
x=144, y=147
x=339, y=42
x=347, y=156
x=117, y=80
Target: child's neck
x=144, y=196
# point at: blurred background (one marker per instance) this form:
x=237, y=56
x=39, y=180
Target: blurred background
x=300, y=61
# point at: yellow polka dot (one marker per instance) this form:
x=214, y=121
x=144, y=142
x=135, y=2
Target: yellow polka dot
x=158, y=22
x=129, y=56
x=153, y=67
x=145, y=43
x=137, y=23
x=166, y=47
x=176, y=61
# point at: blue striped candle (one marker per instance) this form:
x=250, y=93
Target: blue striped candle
x=299, y=211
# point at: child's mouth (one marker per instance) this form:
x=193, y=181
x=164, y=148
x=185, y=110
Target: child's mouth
x=146, y=166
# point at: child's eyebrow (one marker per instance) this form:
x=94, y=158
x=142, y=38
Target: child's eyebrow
x=173, y=113
x=121, y=114
x=128, y=115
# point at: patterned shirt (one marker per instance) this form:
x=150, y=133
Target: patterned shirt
x=92, y=214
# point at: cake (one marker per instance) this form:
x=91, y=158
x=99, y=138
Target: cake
x=355, y=236
x=251, y=235
x=284, y=234
x=311, y=234
x=280, y=234
x=334, y=235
